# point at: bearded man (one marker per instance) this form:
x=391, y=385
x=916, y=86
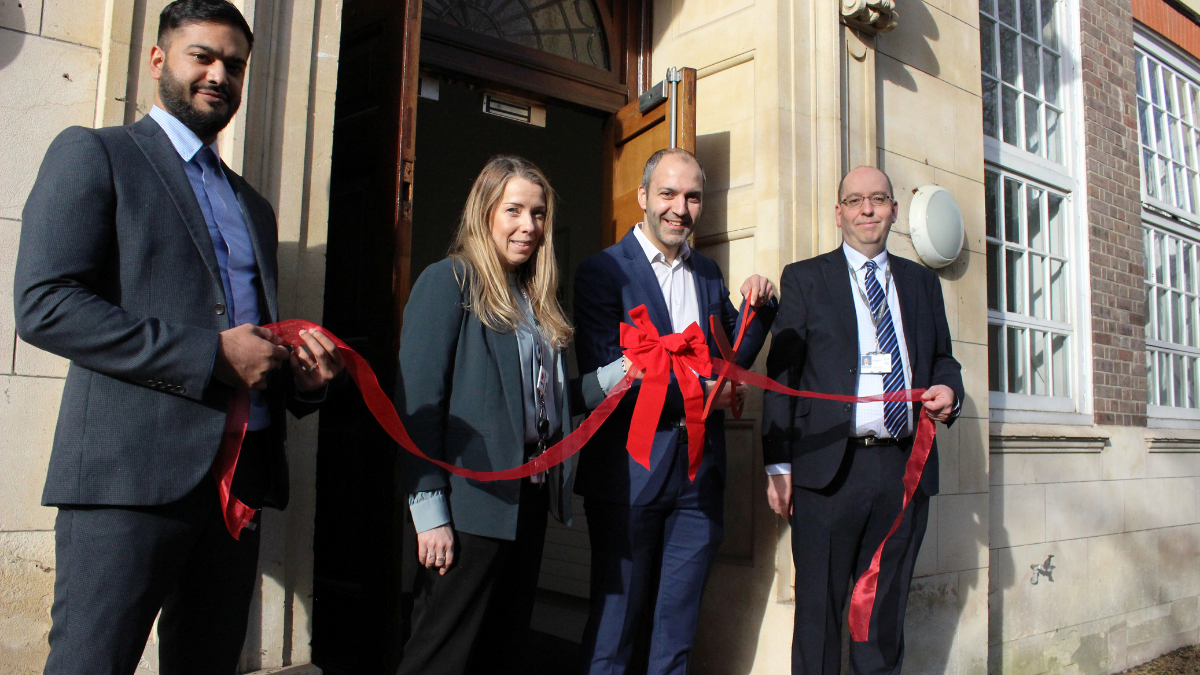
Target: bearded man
x=151, y=266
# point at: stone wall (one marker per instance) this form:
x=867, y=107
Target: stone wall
x=82, y=62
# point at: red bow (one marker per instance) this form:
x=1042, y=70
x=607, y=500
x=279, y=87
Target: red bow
x=685, y=353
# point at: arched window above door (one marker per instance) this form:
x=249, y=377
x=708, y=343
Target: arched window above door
x=567, y=28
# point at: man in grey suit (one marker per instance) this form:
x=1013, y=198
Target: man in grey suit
x=151, y=266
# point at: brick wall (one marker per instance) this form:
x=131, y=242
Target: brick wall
x=1114, y=213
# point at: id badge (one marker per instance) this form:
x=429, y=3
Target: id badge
x=877, y=363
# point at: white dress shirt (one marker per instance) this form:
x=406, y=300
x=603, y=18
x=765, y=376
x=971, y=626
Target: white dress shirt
x=678, y=288
x=868, y=417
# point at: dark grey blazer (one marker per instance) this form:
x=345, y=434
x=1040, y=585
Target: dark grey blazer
x=116, y=272
x=459, y=391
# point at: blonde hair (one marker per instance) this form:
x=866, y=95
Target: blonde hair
x=487, y=292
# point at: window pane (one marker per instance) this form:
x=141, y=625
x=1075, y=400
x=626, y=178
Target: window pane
x=1168, y=91
x=1192, y=383
x=1140, y=66
x=1008, y=56
x=1173, y=139
x=1181, y=187
x=1164, y=315
x=1059, y=295
x=1055, y=216
x=1033, y=131
x=1164, y=179
x=1146, y=122
x=1029, y=17
x=1061, y=365
x=991, y=189
x=991, y=107
x=1012, y=210
x=995, y=347
x=1037, y=286
x=1189, y=147
x=1188, y=317
x=1008, y=114
x=1039, y=367
x=1164, y=378
x=1179, y=380
x=1049, y=27
x=1033, y=218
x=987, y=6
x=1162, y=143
x=1050, y=83
x=1031, y=67
x=1014, y=276
x=1148, y=254
x=1172, y=261
x=1054, y=150
x=1155, y=96
x=1149, y=179
x=1008, y=12
x=1151, y=381
x=1160, y=254
x=1188, y=274
x=1016, y=360
x=993, y=274
x=1177, y=318
x=987, y=46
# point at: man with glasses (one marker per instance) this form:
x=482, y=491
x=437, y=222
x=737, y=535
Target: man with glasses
x=855, y=321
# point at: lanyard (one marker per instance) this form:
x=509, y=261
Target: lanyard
x=876, y=316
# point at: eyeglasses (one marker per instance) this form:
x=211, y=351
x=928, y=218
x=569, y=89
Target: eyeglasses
x=855, y=201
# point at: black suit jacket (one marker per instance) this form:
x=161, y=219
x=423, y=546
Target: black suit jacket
x=116, y=271
x=815, y=348
x=459, y=390
x=607, y=286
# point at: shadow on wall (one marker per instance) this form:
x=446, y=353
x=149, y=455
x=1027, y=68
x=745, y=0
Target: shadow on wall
x=11, y=17
x=713, y=151
x=908, y=44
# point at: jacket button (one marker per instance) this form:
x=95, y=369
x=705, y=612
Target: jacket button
x=219, y=309
x=847, y=408
x=182, y=390
x=852, y=370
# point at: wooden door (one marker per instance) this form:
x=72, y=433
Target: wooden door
x=635, y=132
x=358, y=617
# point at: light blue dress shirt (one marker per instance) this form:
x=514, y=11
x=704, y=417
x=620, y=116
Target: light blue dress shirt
x=227, y=227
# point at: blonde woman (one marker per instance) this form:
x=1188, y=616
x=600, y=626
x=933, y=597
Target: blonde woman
x=481, y=383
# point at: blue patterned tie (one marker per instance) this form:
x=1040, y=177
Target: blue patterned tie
x=894, y=412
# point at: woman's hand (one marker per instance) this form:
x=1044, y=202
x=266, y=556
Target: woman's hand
x=435, y=548
x=316, y=362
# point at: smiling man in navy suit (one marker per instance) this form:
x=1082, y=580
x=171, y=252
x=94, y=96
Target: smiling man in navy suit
x=151, y=266
x=653, y=531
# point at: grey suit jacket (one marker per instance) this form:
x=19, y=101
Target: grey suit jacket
x=459, y=392
x=116, y=271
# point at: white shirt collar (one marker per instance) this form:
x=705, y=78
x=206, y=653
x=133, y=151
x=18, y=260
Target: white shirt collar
x=186, y=142
x=857, y=260
x=652, y=252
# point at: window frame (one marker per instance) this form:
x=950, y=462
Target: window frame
x=1158, y=214
x=1065, y=178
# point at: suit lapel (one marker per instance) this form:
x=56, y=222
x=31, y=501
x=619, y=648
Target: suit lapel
x=702, y=301
x=508, y=360
x=837, y=281
x=908, y=304
x=258, y=238
x=645, y=281
x=157, y=147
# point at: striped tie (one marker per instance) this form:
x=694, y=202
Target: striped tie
x=894, y=412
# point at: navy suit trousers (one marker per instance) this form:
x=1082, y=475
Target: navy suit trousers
x=649, y=566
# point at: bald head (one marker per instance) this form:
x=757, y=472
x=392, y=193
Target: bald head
x=863, y=172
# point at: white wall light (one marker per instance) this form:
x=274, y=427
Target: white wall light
x=936, y=225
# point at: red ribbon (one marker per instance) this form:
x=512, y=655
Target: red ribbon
x=380, y=404
x=658, y=356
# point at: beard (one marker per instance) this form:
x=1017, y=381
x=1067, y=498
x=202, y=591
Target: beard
x=177, y=97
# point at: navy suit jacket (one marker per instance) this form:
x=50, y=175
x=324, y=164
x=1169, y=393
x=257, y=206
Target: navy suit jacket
x=116, y=271
x=815, y=348
x=607, y=286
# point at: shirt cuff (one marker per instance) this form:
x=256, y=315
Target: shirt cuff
x=314, y=396
x=428, y=509
x=779, y=469
x=608, y=376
